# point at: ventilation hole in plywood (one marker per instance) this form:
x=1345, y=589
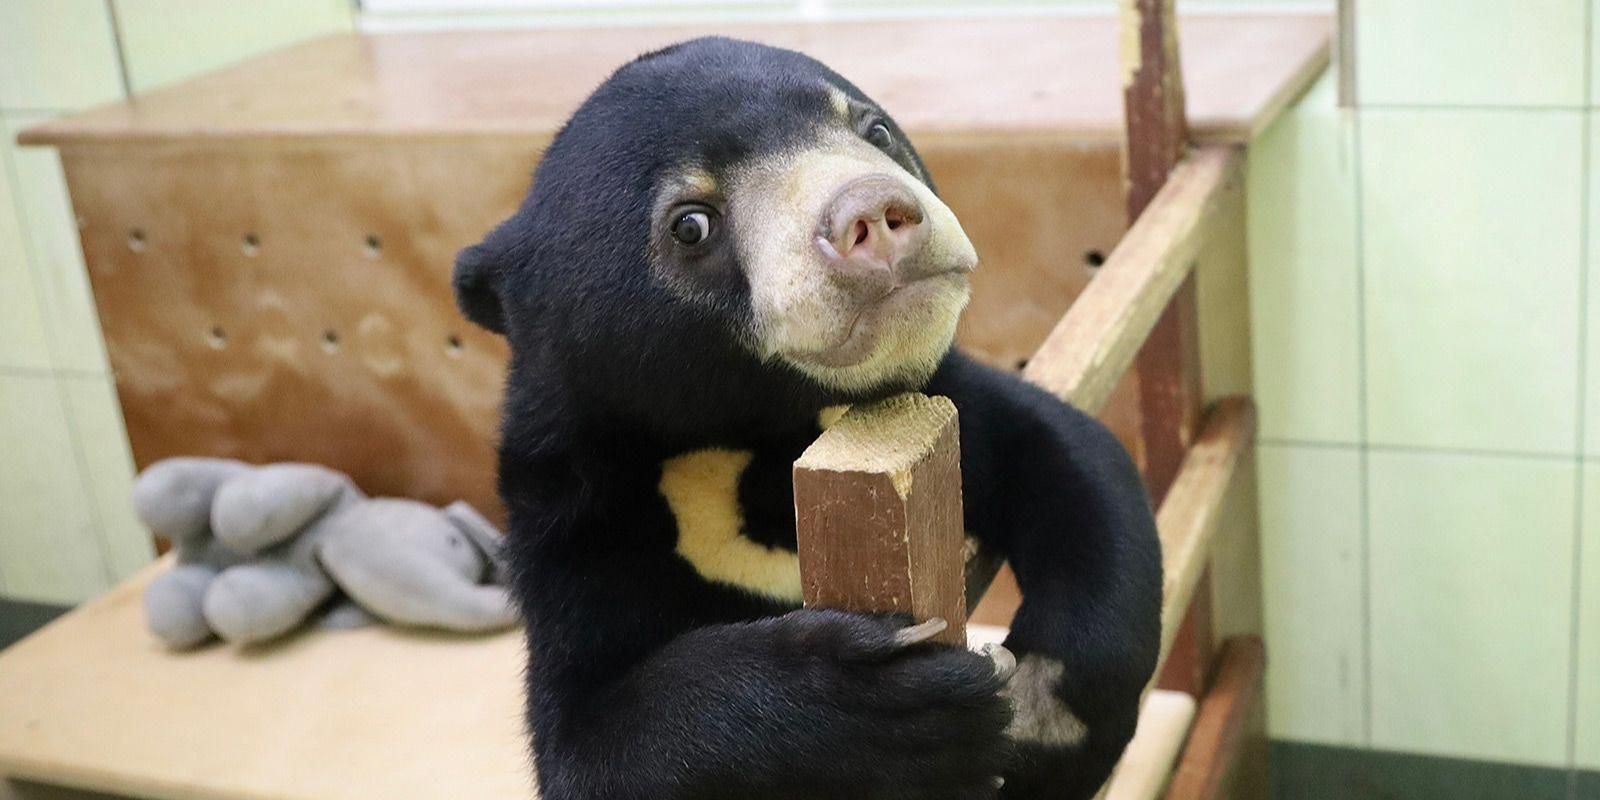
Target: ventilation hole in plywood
x=330, y=341
x=136, y=240
x=217, y=338
x=452, y=345
x=251, y=245
x=1094, y=259
x=373, y=246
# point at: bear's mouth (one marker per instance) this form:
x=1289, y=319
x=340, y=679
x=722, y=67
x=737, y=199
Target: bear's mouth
x=910, y=310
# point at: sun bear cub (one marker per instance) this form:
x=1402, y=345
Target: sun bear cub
x=726, y=241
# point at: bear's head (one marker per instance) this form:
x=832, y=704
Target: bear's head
x=728, y=232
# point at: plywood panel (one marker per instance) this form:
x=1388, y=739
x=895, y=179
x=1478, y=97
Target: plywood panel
x=1055, y=77
x=248, y=315
x=296, y=304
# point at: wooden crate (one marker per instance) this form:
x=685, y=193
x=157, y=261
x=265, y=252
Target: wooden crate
x=233, y=222
x=270, y=246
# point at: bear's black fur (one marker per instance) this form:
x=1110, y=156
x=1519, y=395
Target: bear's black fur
x=649, y=681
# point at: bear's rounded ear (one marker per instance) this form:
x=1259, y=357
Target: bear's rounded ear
x=477, y=285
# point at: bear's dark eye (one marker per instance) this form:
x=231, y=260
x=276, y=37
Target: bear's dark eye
x=692, y=226
x=879, y=136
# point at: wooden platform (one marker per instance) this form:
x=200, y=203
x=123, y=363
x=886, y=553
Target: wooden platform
x=1045, y=76
x=93, y=702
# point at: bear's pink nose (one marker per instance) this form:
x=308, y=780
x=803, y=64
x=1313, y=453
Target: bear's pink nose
x=870, y=229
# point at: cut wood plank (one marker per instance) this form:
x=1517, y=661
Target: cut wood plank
x=1219, y=733
x=1187, y=520
x=878, y=513
x=1041, y=78
x=1096, y=340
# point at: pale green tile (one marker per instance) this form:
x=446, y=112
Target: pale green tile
x=1304, y=287
x=1472, y=229
x=49, y=549
x=1588, y=700
x=1471, y=604
x=57, y=54
x=1311, y=577
x=51, y=235
x=1471, y=52
x=22, y=335
x=102, y=445
x=168, y=40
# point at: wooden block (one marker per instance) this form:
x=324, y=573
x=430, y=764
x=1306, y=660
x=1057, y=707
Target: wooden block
x=878, y=513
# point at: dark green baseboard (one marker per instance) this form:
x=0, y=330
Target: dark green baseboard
x=18, y=618
x=1316, y=772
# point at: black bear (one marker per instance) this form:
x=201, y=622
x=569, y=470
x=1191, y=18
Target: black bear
x=725, y=243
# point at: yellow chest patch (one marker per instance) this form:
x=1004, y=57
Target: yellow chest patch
x=702, y=489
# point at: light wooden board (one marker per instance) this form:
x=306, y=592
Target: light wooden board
x=92, y=701
x=1026, y=76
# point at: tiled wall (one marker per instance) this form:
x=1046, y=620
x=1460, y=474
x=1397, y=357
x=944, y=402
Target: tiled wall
x=66, y=531
x=1422, y=297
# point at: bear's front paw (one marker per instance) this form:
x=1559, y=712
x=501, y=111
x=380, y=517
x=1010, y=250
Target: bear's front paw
x=904, y=717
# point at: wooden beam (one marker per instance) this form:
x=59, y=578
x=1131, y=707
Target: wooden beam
x=1219, y=733
x=1157, y=131
x=1096, y=340
x=1156, y=139
x=1187, y=520
x=1147, y=763
x=878, y=513
x=1188, y=659
x=1169, y=367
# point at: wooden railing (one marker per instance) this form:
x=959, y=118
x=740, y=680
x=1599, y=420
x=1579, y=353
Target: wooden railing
x=878, y=495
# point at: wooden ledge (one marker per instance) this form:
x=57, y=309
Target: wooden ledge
x=1146, y=765
x=1047, y=78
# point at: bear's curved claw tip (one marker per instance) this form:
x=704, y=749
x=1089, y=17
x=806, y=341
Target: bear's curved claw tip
x=920, y=632
x=1005, y=663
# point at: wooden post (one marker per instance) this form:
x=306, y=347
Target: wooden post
x=1169, y=362
x=878, y=513
x=1152, y=96
x=1221, y=738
